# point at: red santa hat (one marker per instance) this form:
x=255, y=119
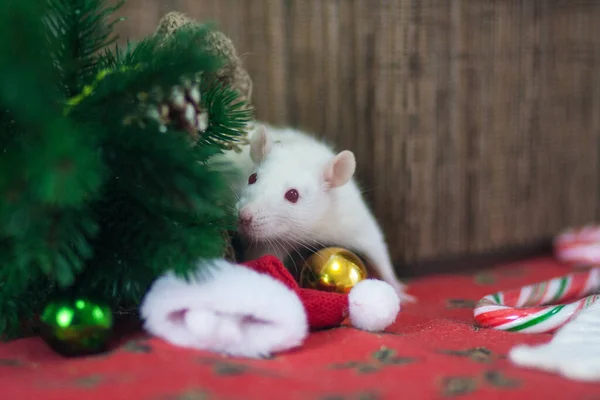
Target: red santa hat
x=372, y=305
x=257, y=308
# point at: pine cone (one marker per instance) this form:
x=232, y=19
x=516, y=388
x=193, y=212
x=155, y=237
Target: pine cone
x=181, y=109
x=233, y=73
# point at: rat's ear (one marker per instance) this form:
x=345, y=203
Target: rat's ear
x=260, y=145
x=340, y=169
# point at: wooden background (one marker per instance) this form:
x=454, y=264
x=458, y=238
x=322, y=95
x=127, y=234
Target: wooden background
x=476, y=123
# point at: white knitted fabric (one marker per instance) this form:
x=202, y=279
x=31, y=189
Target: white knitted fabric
x=573, y=352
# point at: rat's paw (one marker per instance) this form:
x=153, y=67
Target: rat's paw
x=407, y=298
x=400, y=289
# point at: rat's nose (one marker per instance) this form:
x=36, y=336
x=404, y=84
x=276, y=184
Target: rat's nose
x=245, y=216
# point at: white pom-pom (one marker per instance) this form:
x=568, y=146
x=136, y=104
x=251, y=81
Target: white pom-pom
x=373, y=305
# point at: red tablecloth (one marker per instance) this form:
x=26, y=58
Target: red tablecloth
x=433, y=351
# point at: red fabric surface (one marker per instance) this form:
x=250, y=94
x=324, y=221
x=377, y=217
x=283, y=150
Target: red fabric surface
x=323, y=309
x=433, y=351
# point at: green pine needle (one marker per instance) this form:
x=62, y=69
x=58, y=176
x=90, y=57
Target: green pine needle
x=82, y=29
x=228, y=117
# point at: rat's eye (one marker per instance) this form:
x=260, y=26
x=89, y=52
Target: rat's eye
x=292, y=195
x=252, y=179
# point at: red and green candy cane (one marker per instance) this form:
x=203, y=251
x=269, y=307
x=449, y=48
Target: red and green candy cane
x=542, y=307
x=579, y=247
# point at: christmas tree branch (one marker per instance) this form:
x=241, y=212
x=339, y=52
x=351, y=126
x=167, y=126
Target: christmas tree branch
x=164, y=63
x=50, y=167
x=228, y=118
x=83, y=29
x=95, y=195
x=26, y=63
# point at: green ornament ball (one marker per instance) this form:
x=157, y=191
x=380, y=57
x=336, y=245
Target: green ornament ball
x=77, y=326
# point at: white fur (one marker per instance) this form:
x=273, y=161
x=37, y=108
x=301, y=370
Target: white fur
x=373, y=305
x=573, y=352
x=240, y=163
x=323, y=215
x=235, y=311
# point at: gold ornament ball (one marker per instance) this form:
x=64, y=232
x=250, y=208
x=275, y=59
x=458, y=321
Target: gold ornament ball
x=332, y=269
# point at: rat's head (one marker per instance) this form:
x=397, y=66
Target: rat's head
x=291, y=188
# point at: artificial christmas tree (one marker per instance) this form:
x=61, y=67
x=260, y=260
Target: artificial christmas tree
x=101, y=190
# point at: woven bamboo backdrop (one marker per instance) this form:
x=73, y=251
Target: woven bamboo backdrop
x=476, y=123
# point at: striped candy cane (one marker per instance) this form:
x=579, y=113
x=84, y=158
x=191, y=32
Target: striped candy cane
x=542, y=307
x=579, y=246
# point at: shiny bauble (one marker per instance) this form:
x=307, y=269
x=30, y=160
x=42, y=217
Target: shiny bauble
x=332, y=269
x=76, y=326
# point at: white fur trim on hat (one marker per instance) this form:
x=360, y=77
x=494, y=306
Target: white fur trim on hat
x=373, y=305
x=232, y=310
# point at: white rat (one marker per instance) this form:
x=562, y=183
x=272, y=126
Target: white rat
x=299, y=193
